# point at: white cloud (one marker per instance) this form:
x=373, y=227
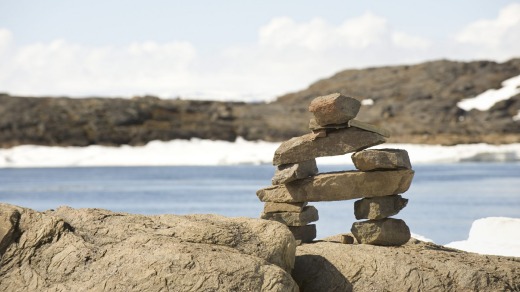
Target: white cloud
x=497, y=38
x=287, y=56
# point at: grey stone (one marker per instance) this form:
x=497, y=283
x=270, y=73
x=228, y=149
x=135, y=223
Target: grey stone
x=387, y=232
x=305, y=233
x=271, y=207
x=379, y=207
x=334, y=108
x=374, y=159
x=314, y=126
x=337, y=186
x=308, y=215
x=99, y=250
x=337, y=142
x=416, y=266
x=290, y=172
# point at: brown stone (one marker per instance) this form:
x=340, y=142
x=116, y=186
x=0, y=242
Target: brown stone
x=308, y=215
x=334, y=108
x=305, y=233
x=372, y=159
x=379, y=207
x=337, y=142
x=314, y=126
x=347, y=239
x=290, y=172
x=335, y=186
x=9, y=219
x=388, y=232
x=271, y=207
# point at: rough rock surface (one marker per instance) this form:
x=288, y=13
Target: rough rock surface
x=305, y=233
x=336, y=186
x=379, y=207
x=372, y=159
x=271, y=207
x=389, y=232
x=99, y=250
x=415, y=266
x=290, y=172
x=334, y=109
x=308, y=215
x=337, y=142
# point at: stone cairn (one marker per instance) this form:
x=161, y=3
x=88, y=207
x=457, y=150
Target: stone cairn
x=380, y=177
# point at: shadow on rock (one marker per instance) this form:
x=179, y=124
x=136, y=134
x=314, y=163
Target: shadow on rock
x=316, y=273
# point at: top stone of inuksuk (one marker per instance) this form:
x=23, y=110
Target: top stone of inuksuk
x=381, y=175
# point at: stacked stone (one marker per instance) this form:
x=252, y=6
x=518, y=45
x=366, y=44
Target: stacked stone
x=297, y=181
x=379, y=229
x=296, y=215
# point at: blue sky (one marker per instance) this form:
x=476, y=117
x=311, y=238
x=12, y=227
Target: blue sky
x=246, y=50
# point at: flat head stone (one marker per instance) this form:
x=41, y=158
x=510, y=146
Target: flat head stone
x=308, y=215
x=388, y=232
x=271, y=207
x=337, y=142
x=305, y=233
x=293, y=171
x=337, y=186
x=372, y=159
x=334, y=109
x=379, y=207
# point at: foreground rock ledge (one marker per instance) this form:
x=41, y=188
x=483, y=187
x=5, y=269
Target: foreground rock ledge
x=338, y=186
x=415, y=266
x=99, y=250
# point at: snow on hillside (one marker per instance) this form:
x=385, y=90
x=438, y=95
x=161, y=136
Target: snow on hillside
x=206, y=152
x=488, y=98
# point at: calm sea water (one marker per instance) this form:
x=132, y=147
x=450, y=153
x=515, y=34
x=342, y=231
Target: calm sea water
x=444, y=198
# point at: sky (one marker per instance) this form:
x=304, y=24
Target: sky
x=234, y=50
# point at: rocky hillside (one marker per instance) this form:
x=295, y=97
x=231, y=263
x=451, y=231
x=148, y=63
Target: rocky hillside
x=417, y=103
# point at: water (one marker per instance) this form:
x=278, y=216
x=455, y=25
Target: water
x=444, y=198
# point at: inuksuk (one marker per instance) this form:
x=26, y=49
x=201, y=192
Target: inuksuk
x=381, y=176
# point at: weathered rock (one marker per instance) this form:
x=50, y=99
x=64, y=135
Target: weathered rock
x=337, y=142
x=9, y=219
x=290, y=172
x=271, y=207
x=379, y=207
x=375, y=159
x=334, y=109
x=308, y=215
x=305, y=233
x=415, y=266
x=98, y=250
x=337, y=186
x=389, y=232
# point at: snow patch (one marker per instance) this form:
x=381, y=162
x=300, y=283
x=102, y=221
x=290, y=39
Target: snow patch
x=488, y=98
x=367, y=101
x=421, y=238
x=493, y=236
x=517, y=117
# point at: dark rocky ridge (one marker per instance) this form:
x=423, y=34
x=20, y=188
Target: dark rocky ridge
x=417, y=103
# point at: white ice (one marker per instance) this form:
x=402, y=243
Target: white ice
x=207, y=152
x=493, y=236
x=488, y=98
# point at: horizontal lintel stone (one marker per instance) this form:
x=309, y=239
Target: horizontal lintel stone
x=337, y=186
